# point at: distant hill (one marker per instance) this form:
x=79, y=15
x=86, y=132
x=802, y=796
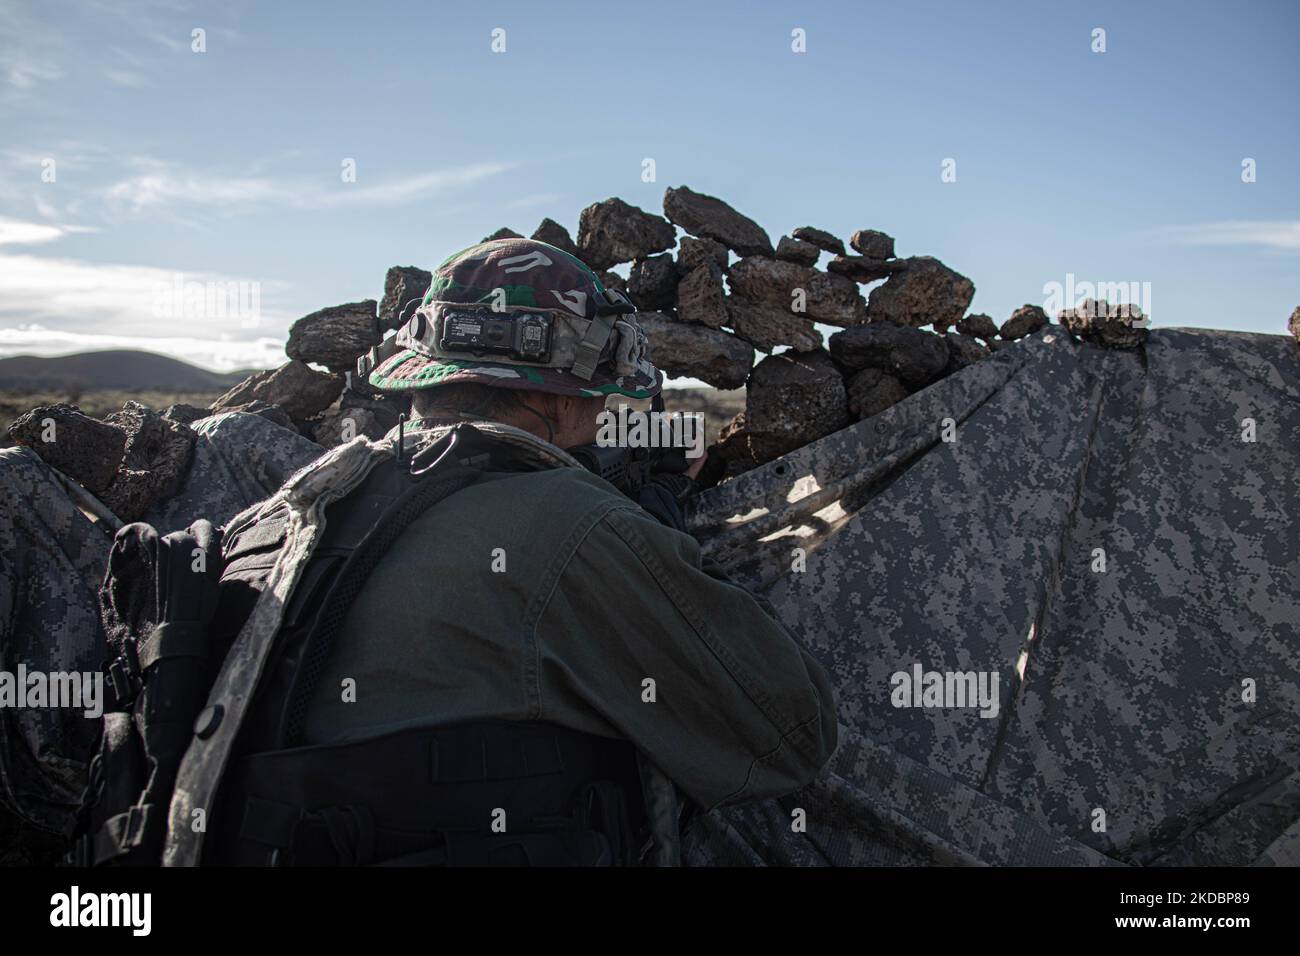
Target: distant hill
x=115, y=369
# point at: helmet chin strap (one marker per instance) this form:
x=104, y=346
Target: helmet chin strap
x=550, y=430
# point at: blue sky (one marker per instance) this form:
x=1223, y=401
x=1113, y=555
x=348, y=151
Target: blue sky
x=225, y=165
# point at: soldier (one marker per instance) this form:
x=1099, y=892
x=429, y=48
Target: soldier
x=539, y=631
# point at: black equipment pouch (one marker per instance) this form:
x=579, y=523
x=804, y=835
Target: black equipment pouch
x=487, y=793
x=157, y=601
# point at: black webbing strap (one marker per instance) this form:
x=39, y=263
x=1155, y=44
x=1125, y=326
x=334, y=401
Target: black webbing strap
x=354, y=573
x=118, y=836
x=174, y=639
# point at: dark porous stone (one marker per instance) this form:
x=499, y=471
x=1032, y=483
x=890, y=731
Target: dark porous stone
x=821, y=239
x=925, y=292
x=1026, y=320
x=301, y=391
x=916, y=357
x=697, y=351
x=402, y=284
x=792, y=399
x=872, y=390
x=652, y=283
x=81, y=447
x=612, y=231
x=873, y=244
x=710, y=218
x=335, y=336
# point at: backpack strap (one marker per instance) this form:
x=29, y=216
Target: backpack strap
x=306, y=496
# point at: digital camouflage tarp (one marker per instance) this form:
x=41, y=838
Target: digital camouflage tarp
x=1116, y=526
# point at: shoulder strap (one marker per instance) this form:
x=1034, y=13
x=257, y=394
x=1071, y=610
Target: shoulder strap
x=307, y=496
x=352, y=576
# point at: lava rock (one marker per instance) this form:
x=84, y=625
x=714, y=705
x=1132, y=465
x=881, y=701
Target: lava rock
x=767, y=326
x=652, y=283
x=81, y=447
x=1112, y=326
x=612, y=280
x=914, y=356
x=502, y=233
x=763, y=279
x=873, y=244
x=701, y=297
x=272, y=413
x=335, y=336
x=793, y=398
x=184, y=414
x=821, y=239
x=729, y=456
x=711, y=218
x=401, y=285
x=862, y=269
x=925, y=292
x=157, y=459
x=300, y=391
x=686, y=348
x=796, y=250
x=692, y=252
x=872, y=390
x=963, y=350
x=827, y=298
x=1026, y=320
x=835, y=300
x=552, y=233
x=613, y=231
x=979, y=325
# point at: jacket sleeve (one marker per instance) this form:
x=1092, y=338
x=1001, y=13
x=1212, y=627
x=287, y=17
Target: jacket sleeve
x=682, y=662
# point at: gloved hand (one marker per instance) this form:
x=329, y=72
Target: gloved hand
x=670, y=483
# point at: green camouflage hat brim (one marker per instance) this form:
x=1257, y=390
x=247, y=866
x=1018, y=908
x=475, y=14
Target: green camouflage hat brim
x=408, y=370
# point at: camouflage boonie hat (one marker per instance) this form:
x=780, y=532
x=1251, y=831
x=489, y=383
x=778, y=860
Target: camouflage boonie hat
x=518, y=313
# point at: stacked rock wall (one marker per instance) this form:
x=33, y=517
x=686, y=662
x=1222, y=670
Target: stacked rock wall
x=711, y=300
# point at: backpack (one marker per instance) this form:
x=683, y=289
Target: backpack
x=175, y=610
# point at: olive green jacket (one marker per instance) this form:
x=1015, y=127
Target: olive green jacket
x=550, y=596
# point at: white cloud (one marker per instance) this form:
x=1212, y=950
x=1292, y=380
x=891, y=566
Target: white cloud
x=163, y=186
x=28, y=50
x=1278, y=234
x=15, y=232
x=72, y=295
x=24, y=72
x=127, y=78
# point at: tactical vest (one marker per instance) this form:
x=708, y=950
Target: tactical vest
x=481, y=793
